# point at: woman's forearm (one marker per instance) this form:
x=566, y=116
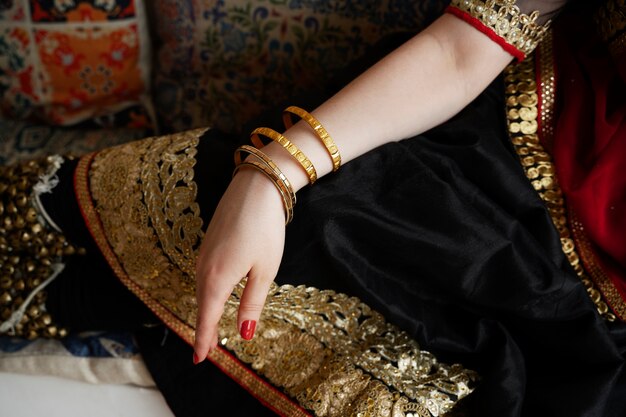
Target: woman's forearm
x=418, y=86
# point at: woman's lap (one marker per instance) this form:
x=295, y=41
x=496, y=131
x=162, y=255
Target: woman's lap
x=441, y=233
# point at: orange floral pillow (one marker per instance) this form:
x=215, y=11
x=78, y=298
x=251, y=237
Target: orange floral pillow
x=67, y=61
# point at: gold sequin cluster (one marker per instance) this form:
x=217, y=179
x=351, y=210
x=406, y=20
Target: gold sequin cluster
x=503, y=17
x=338, y=357
x=28, y=249
x=522, y=113
x=611, y=23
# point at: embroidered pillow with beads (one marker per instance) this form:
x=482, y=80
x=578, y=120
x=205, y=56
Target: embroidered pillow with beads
x=68, y=61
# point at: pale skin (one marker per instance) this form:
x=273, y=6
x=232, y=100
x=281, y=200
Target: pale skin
x=418, y=86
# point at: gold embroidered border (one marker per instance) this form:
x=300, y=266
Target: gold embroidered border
x=547, y=83
x=169, y=193
x=330, y=352
x=92, y=219
x=339, y=345
x=600, y=278
x=235, y=369
x=505, y=19
x=145, y=198
x=521, y=102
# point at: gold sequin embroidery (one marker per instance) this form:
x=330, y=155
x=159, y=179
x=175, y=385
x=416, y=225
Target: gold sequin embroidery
x=329, y=352
x=145, y=195
x=338, y=357
x=506, y=20
x=521, y=102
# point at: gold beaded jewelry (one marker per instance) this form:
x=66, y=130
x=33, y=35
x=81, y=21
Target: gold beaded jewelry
x=32, y=252
x=272, y=176
x=270, y=164
x=290, y=147
x=320, y=131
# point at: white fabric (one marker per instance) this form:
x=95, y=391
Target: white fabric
x=34, y=396
x=51, y=357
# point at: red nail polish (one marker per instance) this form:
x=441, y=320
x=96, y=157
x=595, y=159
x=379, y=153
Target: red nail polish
x=247, y=329
x=196, y=359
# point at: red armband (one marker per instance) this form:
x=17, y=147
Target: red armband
x=501, y=20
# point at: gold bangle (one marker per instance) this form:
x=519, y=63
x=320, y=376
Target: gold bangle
x=270, y=164
x=270, y=174
x=321, y=132
x=285, y=143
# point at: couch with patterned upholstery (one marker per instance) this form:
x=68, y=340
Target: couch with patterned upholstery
x=76, y=75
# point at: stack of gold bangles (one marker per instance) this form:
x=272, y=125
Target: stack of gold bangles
x=264, y=164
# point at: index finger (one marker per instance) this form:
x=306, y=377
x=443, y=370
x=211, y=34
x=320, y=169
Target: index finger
x=212, y=294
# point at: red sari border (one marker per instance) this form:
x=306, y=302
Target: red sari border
x=594, y=267
x=227, y=363
x=546, y=78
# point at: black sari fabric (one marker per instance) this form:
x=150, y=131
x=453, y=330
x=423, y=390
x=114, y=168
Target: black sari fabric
x=444, y=235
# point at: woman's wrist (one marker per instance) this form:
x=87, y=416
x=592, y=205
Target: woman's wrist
x=297, y=169
x=255, y=184
x=306, y=140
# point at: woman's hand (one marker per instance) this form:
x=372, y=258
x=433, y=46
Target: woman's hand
x=245, y=238
x=419, y=85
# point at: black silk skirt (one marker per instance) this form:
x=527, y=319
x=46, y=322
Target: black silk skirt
x=441, y=233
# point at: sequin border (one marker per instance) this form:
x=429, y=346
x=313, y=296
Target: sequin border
x=502, y=21
x=259, y=388
x=522, y=106
x=593, y=266
x=547, y=99
x=546, y=79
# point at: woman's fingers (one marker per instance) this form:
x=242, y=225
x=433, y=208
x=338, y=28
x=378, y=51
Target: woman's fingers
x=246, y=235
x=212, y=296
x=252, y=301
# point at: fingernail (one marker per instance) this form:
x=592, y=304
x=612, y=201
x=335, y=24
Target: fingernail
x=247, y=329
x=196, y=359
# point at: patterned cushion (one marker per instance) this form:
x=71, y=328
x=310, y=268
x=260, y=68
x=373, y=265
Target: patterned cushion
x=222, y=62
x=66, y=61
x=20, y=141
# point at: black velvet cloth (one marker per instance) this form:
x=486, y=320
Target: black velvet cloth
x=442, y=234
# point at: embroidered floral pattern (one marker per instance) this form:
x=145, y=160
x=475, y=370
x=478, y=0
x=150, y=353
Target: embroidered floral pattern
x=21, y=141
x=223, y=62
x=72, y=60
x=11, y=10
x=81, y=10
x=501, y=20
x=16, y=72
x=330, y=353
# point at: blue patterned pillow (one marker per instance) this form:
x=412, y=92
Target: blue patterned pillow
x=22, y=140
